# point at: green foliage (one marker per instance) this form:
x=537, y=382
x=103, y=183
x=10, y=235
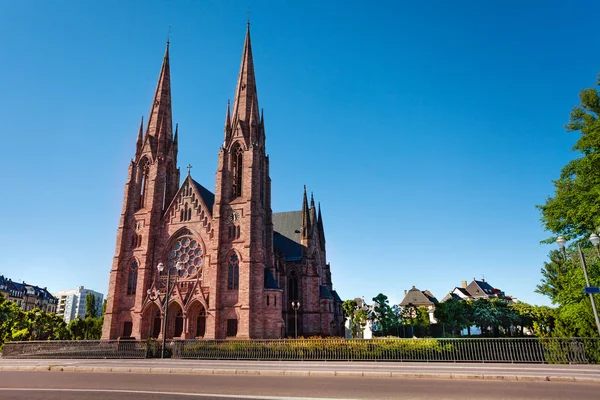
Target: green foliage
x=86, y=329
x=574, y=210
x=490, y=315
x=563, y=282
x=453, y=314
x=358, y=317
x=91, y=311
x=386, y=318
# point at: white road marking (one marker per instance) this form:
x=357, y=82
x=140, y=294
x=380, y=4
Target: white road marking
x=231, y=396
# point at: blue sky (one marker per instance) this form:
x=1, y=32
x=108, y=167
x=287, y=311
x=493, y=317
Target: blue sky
x=427, y=130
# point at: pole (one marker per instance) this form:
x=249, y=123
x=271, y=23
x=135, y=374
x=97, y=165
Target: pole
x=166, y=314
x=587, y=282
x=296, y=323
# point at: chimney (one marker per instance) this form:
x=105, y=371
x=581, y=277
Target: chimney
x=482, y=280
x=404, y=292
x=464, y=284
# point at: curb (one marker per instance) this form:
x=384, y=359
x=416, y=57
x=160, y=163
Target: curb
x=327, y=373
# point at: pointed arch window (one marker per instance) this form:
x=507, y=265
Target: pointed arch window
x=236, y=169
x=233, y=276
x=293, y=287
x=132, y=277
x=145, y=169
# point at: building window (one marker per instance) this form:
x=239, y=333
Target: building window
x=267, y=299
x=293, y=287
x=232, y=327
x=236, y=168
x=127, y=327
x=157, y=325
x=234, y=273
x=132, y=277
x=145, y=169
x=186, y=250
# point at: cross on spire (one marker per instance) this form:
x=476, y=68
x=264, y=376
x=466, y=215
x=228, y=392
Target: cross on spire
x=189, y=167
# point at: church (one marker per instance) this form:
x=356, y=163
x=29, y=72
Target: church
x=227, y=266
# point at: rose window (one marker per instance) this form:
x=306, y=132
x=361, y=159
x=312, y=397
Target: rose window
x=186, y=250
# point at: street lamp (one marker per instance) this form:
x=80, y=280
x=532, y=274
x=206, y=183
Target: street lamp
x=296, y=306
x=561, y=241
x=161, y=268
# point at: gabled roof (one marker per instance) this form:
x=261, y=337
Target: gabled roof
x=270, y=282
x=292, y=251
x=289, y=224
x=480, y=289
x=418, y=298
x=324, y=292
x=336, y=296
x=207, y=196
x=287, y=234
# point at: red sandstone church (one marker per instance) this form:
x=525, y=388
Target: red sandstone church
x=235, y=267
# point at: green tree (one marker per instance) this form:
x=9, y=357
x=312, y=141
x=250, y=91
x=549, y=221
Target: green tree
x=383, y=313
x=574, y=210
x=452, y=313
x=91, y=311
x=490, y=315
x=357, y=317
x=10, y=316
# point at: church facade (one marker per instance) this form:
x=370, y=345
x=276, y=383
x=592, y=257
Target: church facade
x=231, y=267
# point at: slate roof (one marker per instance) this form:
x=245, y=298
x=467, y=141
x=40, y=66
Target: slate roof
x=480, y=289
x=287, y=234
x=336, y=296
x=418, y=298
x=207, y=196
x=19, y=289
x=324, y=292
x=270, y=282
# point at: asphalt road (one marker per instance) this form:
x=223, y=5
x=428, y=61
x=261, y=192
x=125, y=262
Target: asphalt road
x=577, y=373
x=93, y=386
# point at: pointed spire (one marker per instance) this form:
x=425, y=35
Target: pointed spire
x=305, y=215
x=160, y=120
x=245, y=92
x=321, y=230
x=140, y=137
x=228, y=116
x=262, y=116
x=313, y=211
x=176, y=137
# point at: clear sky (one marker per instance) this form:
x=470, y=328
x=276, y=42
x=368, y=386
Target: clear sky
x=428, y=130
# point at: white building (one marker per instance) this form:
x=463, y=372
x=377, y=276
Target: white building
x=71, y=303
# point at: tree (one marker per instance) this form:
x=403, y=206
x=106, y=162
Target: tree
x=91, y=311
x=357, y=317
x=10, y=315
x=383, y=313
x=452, y=313
x=490, y=315
x=574, y=210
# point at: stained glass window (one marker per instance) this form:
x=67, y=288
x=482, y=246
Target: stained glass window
x=132, y=277
x=187, y=251
x=234, y=273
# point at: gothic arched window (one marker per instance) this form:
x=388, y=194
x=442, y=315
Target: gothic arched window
x=236, y=168
x=187, y=251
x=233, y=277
x=145, y=169
x=293, y=287
x=132, y=277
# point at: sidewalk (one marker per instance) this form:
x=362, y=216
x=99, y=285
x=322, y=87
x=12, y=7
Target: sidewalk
x=508, y=372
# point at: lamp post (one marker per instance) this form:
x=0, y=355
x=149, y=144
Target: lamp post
x=161, y=268
x=595, y=239
x=296, y=306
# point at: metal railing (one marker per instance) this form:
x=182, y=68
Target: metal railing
x=505, y=350
x=76, y=349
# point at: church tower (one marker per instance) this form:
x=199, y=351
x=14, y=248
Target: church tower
x=249, y=299
x=152, y=181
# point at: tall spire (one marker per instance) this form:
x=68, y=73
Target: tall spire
x=305, y=215
x=313, y=211
x=321, y=230
x=245, y=92
x=228, y=116
x=140, y=138
x=160, y=120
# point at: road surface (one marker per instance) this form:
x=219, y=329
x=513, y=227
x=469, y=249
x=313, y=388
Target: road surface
x=49, y=385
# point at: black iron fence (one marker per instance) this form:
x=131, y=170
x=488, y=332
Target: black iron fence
x=76, y=349
x=507, y=350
